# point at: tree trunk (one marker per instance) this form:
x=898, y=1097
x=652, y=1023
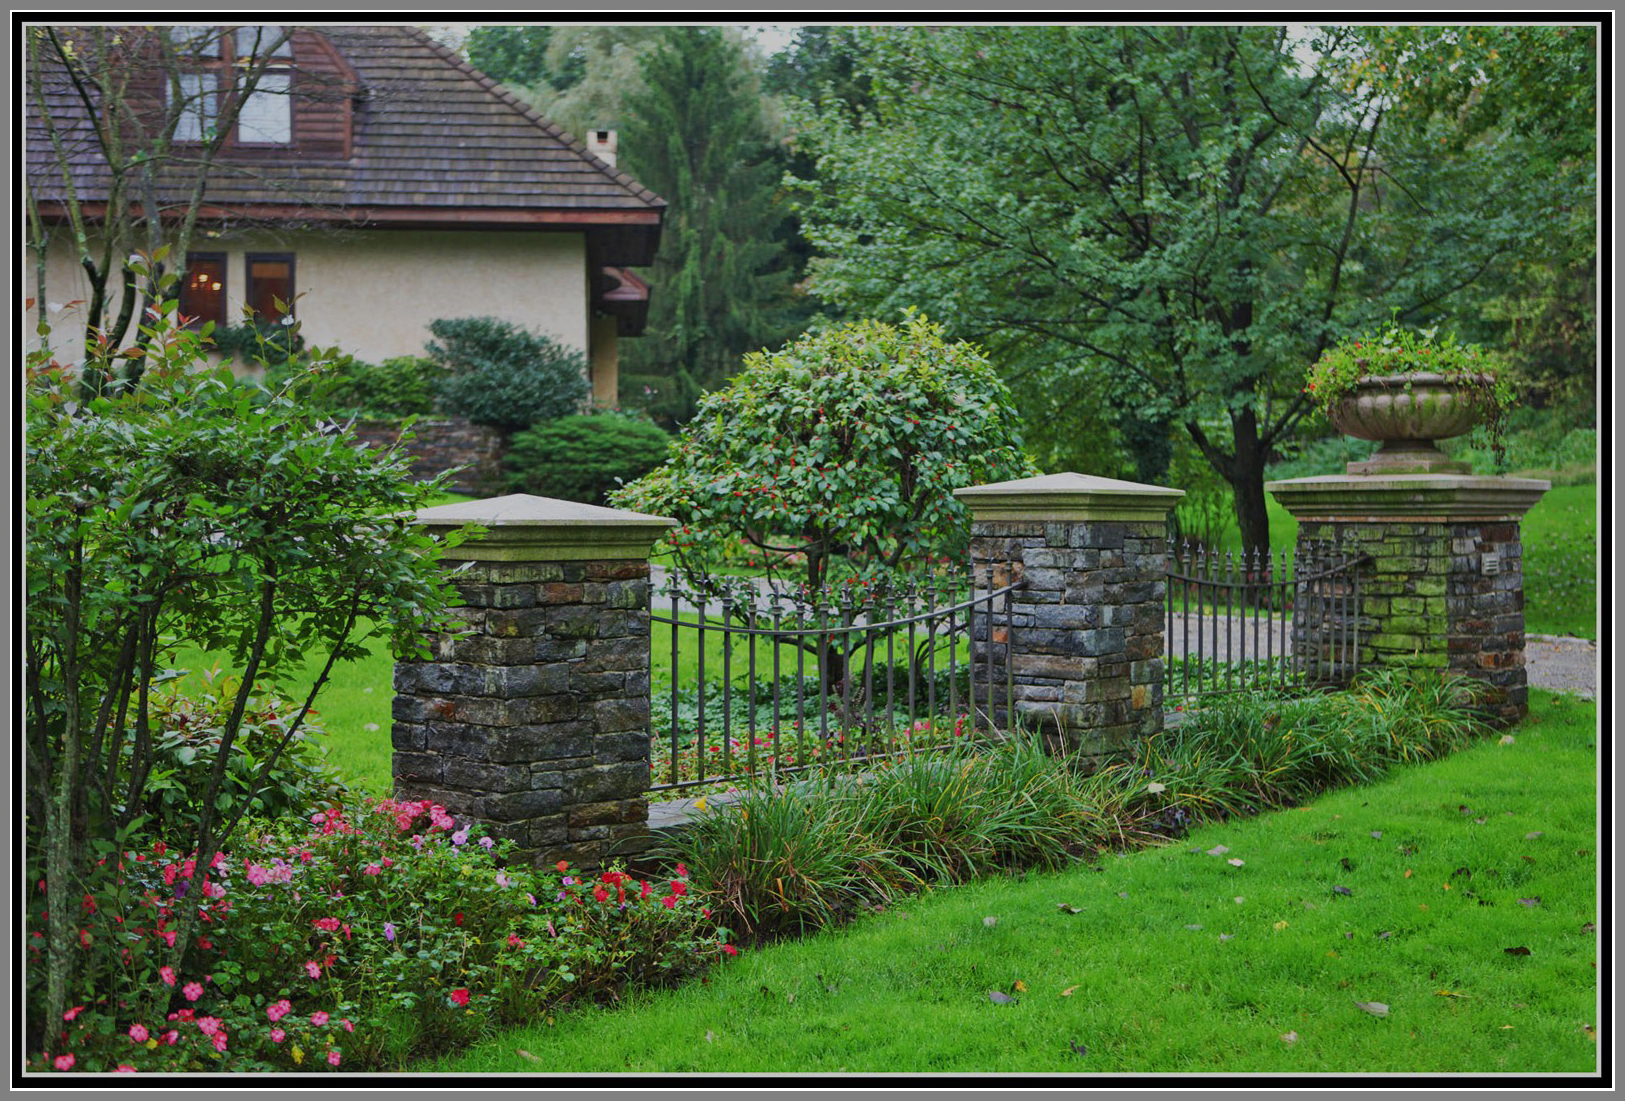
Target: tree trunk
x=1246, y=478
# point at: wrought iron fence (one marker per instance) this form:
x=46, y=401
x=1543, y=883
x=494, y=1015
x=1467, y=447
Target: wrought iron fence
x=1243, y=621
x=761, y=681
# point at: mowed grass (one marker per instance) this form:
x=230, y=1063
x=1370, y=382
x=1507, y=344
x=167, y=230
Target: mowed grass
x=1181, y=961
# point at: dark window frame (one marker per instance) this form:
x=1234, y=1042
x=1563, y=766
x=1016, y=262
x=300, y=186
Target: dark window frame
x=249, y=260
x=222, y=64
x=224, y=260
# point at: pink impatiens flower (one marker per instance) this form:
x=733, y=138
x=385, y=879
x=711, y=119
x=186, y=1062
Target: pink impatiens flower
x=208, y=1025
x=278, y=1010
x=313, y=969
x=460, y=995
x=63, y=1062
x=333, y=1057
x=277, y=1035
x=138, y=1033
x=193, y=991
x=318, y=1018
x=168, y=975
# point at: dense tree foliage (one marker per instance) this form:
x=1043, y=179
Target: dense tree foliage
x=693, y=133
x=1175, y=220
x=519, y=56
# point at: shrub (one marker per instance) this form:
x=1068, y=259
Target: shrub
x=184, y=511
x=505, y=377
x=847, y=444
x=584, y=458
x=403, y=386
x=268, y=342
x=368, y=936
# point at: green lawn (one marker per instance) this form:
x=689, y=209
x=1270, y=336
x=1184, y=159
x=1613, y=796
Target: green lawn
x=1180, y=961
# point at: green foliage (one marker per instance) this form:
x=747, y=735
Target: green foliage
x=186, y=744
x=694, y=134
x=846, y=444
x=186, y=511
x=584, y=458
x=1188, y=215
x=505, y=377
x=267, y=342
x=519, y=55
x=402, y=386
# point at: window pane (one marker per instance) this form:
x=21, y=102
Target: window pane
x=203, y=288
x=199, y=108
x=266, y=117
x=199, y=41
x=270, y=278
x=258, y=40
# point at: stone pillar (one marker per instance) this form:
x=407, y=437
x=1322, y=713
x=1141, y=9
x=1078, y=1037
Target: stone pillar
x=1084, y=645
x=1444, y=585
x=534, y=717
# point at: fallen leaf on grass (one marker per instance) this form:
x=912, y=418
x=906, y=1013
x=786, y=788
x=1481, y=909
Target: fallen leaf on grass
x=1520, y=950
x=1240, y=899
x=523, y=1054
x=1227, y=936
x=1588, y=927
x=1450, y=994
x=1122, y=894
x=1591, y=1033
x=990, y=922
x=1279, y=926
x=1377, y=834
x=1218, y=850
x=1077, y=1048
x=1289, y=1037
x=1462, y=873
x=1020, y=987
x=1333, y=955
x=1530, y=859
x=1533, y=835
x=1464, y=809
x=1155, y=788
x=1376, y=1009
x=1506, y=739
x=1506, y=1026
x=1529, y=902
x=1348, y=936
x=1407, y=873
x=1479, y=821
x=1341, y=891
x=999, y=997
x=1068, y=908
x=1384, y=935
x=1235, y=863
x=1346, y=864
x=1067, y=993
x=1423, y=906
x=710, y=1037
x=1194, y=928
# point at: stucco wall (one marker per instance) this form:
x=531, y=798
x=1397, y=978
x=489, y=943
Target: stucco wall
x=373, y=292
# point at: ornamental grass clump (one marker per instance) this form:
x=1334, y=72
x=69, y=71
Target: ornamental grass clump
x=363, y=938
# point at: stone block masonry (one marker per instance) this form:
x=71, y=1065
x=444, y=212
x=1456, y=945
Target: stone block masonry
x=1443, y=588
x=533, y=716
x=1081, y=654
x=445, y=443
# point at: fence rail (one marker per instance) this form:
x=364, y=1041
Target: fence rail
x=1242, y=621
x=766, y=681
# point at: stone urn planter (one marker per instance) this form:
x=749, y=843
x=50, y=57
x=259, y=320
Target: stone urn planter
x=1406, y=413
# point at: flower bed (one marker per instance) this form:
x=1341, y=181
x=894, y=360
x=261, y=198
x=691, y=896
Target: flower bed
x=362, y=938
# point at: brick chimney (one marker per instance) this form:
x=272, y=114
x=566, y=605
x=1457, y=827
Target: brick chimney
x=601, y=144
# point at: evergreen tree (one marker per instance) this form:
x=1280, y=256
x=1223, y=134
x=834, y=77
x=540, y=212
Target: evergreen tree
x=694, y=134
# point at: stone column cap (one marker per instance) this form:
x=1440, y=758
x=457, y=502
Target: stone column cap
x=1444, y=497
x=522, y=527
x=1068, y=496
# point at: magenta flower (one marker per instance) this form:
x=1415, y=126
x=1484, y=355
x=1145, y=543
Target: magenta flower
x=193, y=991
x=277, y=1035
x=63, y=1062
x=333, y=1057
x=278, y=1010
x=460, y=837
x=313, y=969
x=318, y=1018
x=487, y=841
x=208, y=1025
x=168, y=975
x=138, y=1033
x=389, y=931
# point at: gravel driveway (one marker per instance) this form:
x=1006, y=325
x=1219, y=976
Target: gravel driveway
x=1562, y=664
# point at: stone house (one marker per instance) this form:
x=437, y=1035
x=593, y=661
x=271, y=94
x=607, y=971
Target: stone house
x=376, y=182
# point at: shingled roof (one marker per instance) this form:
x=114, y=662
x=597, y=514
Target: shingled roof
x=431, y=141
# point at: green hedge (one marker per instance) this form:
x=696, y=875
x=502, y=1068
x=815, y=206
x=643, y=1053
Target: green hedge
x=583, y=458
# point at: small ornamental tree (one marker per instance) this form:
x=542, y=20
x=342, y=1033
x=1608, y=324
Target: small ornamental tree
x=843, y=449
x=503, y=376
x=187, y=511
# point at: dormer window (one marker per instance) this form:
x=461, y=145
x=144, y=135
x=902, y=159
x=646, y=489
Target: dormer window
x=266, y=116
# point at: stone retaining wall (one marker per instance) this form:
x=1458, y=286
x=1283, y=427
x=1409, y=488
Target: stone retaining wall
x=443, y=443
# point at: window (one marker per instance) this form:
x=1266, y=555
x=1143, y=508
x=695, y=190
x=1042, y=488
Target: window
x=267, y=114
x=203, y=288
x=200, y=106
x=270, y=280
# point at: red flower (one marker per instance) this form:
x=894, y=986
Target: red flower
x=457, y=918
x=600, y=894
x=678, y=887
x=563, y=865
x=669, y=901
x=460, y=995
x=730, y=949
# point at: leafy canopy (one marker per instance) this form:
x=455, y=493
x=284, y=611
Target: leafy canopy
x=845, y=446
